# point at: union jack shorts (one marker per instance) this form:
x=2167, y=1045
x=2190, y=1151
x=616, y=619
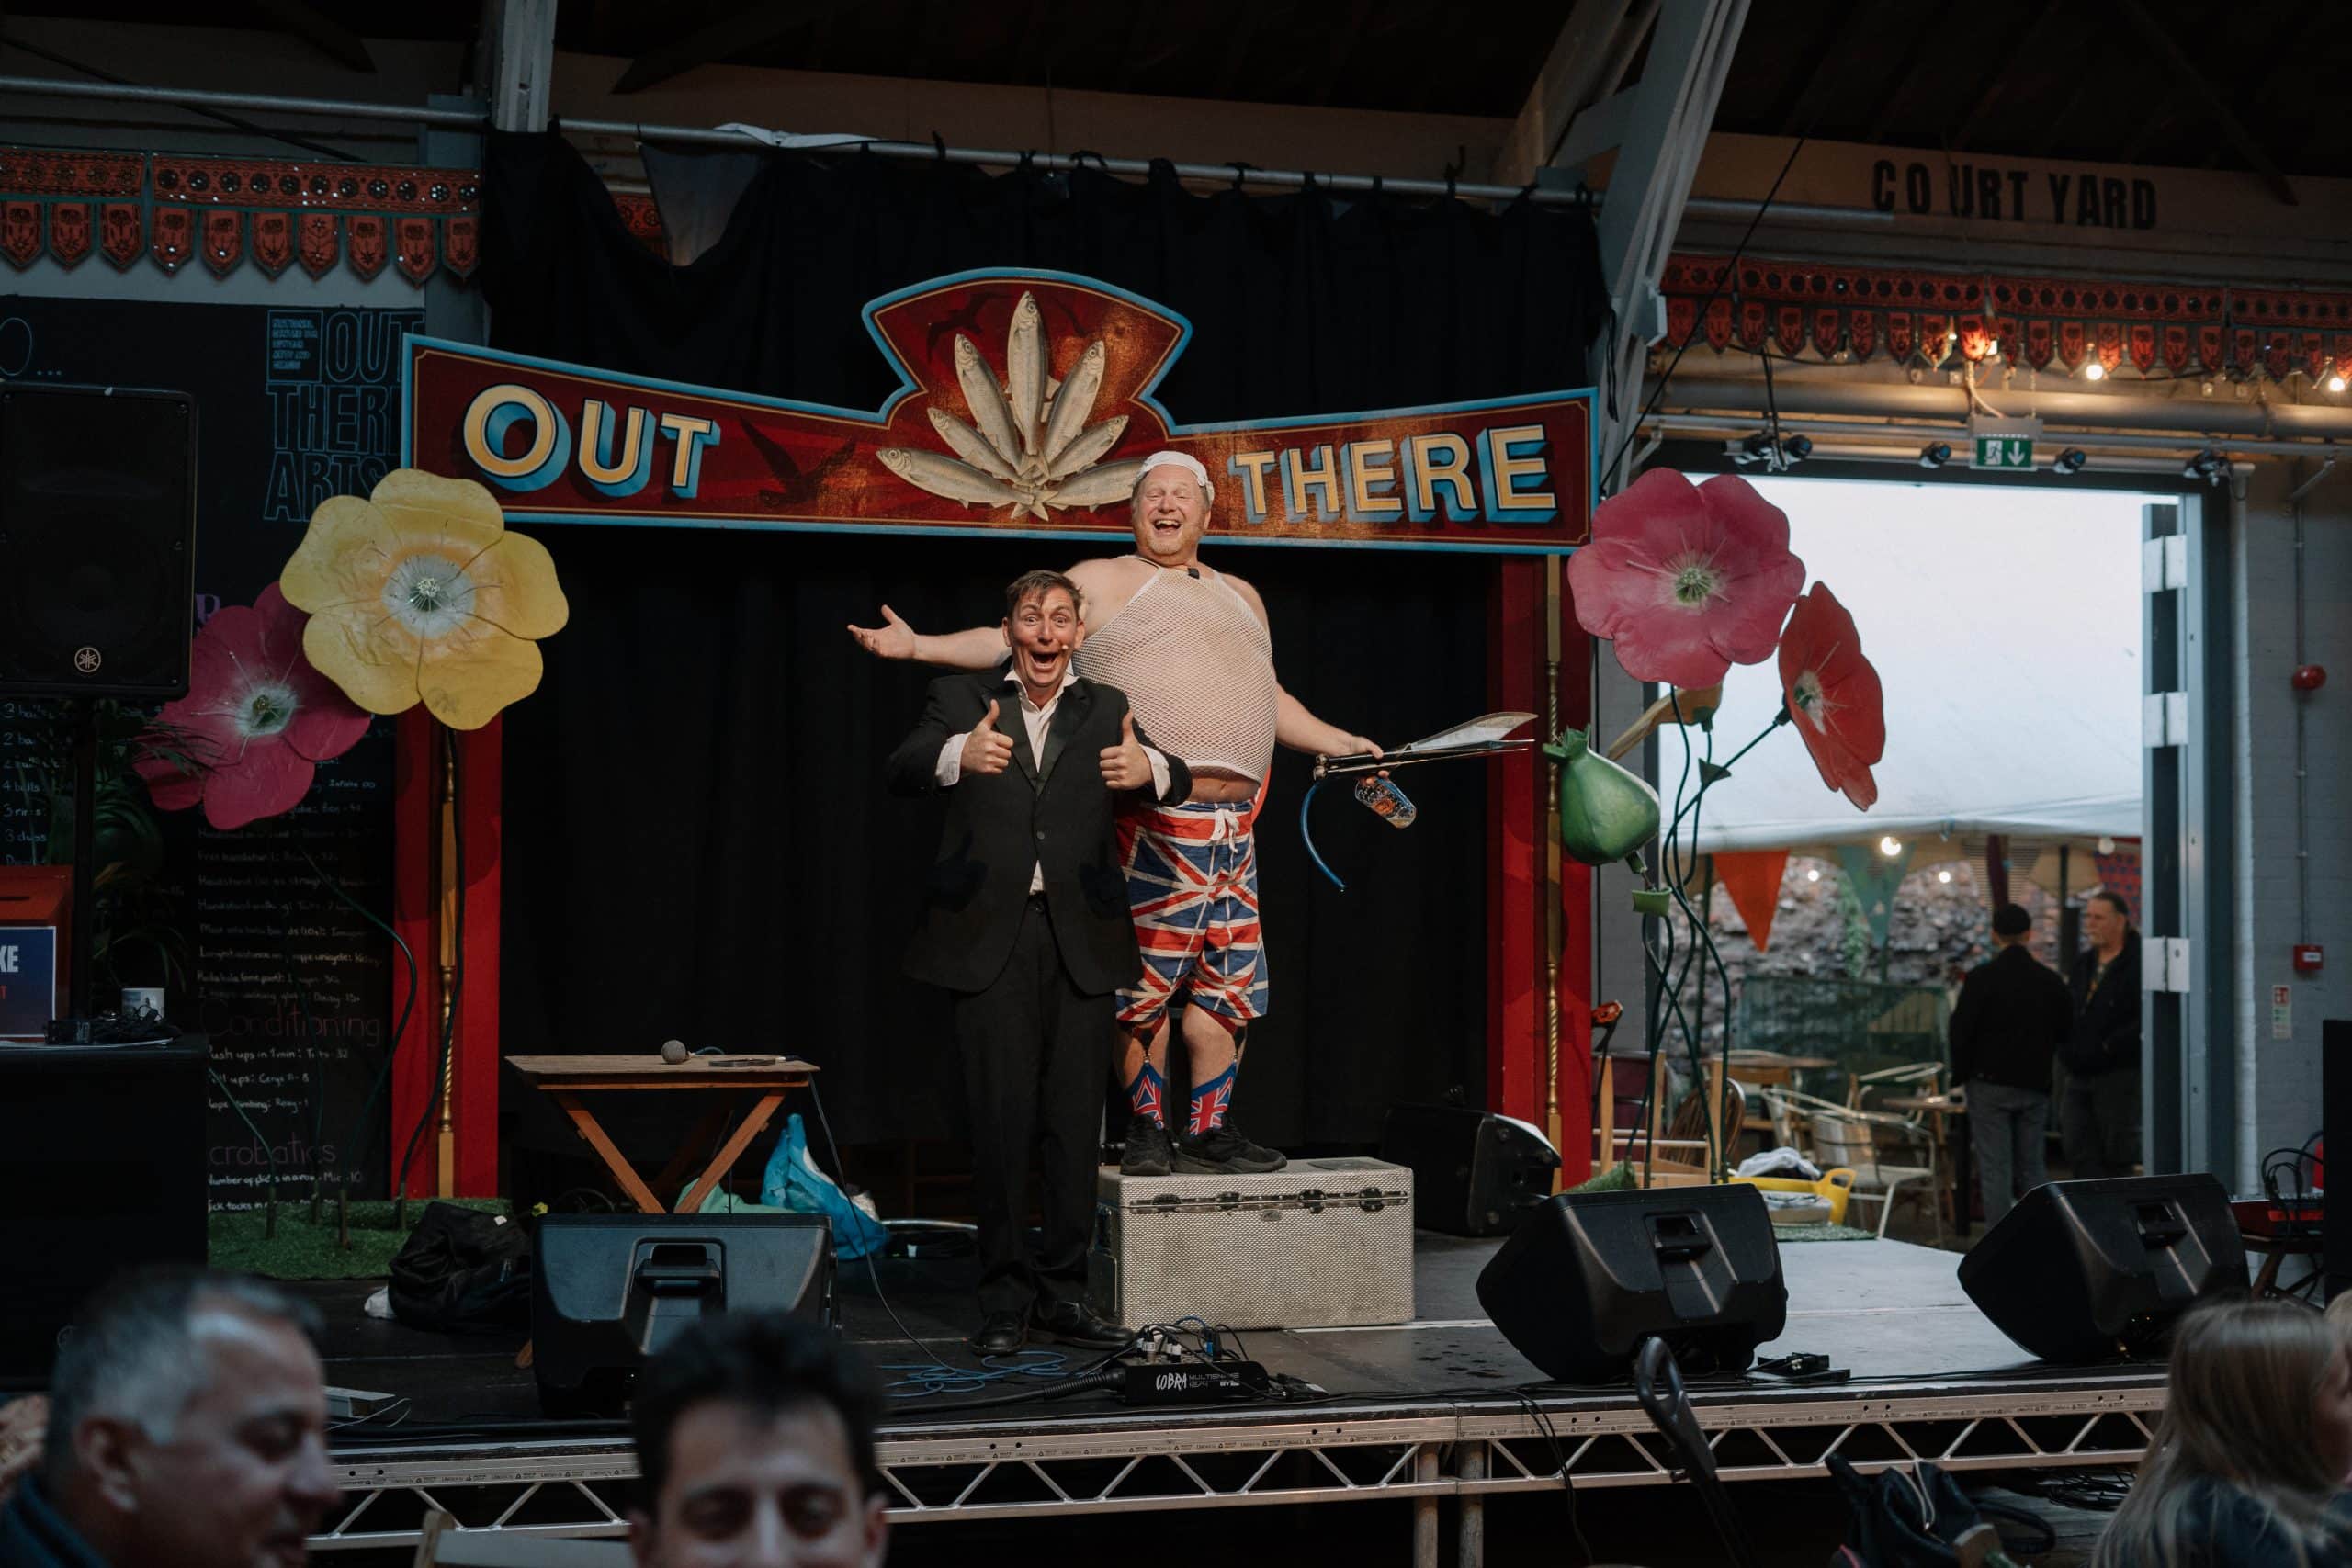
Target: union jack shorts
x=1192, y=885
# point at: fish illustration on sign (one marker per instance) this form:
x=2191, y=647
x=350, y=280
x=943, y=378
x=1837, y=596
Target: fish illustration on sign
x=1027, y=446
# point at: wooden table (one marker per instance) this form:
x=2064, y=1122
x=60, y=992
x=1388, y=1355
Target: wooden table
x=1761, y=1069
x=565, y=1080
x=2275, y=1250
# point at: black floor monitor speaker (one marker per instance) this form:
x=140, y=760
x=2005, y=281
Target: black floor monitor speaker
x=1587, y=1276
x=2335, y=1127
x=97, y=541
x=105, y=1148
x=2081, y=1269
x=1474, y=1172
x=608, y=1290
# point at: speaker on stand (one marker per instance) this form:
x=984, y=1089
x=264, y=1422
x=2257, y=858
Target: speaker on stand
x=98, y=572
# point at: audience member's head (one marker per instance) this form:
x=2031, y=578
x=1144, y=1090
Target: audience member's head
x=187, y=1425
x=2257, y=1436
x=755, y=1443
x=2011, y=925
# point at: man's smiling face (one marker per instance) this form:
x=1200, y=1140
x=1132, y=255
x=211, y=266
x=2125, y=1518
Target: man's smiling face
x=1043, y=630
x=1171, y=515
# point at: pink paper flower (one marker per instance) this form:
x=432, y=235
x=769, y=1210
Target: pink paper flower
x=1833, y=695
x=256, y=720
x=1686, y=582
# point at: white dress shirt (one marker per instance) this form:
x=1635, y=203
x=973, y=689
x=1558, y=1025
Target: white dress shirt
x=1036, y=721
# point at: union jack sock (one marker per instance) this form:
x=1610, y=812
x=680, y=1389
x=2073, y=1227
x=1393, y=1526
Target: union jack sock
x=1145, y=1094
x=1211, y=1099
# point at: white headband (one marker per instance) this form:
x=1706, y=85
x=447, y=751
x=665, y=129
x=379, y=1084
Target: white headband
x=1184, y=460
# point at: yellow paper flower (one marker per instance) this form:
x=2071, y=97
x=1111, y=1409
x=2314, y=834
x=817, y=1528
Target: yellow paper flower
x=420, y=593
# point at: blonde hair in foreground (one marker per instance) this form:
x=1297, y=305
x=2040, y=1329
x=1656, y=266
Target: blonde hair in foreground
x=2238, y=1416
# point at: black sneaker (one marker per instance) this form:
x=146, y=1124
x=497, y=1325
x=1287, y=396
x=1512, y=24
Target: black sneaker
x=1225, y=1151
x=1148, y=1151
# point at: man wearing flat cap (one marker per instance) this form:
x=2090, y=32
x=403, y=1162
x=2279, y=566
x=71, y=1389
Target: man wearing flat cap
x=2013, y=1014
x=1190, y=647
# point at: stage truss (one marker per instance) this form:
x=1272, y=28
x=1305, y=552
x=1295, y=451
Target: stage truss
x=1427, y=1454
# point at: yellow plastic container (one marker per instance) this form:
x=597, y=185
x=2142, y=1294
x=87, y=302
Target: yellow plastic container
x=1831, y=1188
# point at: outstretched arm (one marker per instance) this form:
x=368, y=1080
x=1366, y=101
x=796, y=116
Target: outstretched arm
x=977, y=647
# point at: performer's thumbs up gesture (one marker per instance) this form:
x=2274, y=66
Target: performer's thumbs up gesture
x=986, y=749
x=1125, y=765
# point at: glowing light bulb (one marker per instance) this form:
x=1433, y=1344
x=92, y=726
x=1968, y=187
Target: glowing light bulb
x=1943, y=876
x=2106, y=845
x=2094, y=371
x=2336, y=383
x=1813, y=873
x=1890, y=846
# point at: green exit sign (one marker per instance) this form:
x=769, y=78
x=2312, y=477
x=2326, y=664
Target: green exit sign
x=2014, y=451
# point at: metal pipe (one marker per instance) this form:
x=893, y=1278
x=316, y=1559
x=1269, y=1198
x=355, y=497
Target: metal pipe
x=1803, y=394
x=1837, y=429
x=2183, y=441
x=1470, y=1524
x=198, y=97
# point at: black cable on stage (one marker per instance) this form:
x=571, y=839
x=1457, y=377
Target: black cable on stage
x=440, y=1087
x=392, y=1047
x=1730, y=270
x=233, y=123
x=1536, y=1414
x=1076, y=1381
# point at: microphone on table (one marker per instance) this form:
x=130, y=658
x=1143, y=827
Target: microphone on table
x=673, y=1050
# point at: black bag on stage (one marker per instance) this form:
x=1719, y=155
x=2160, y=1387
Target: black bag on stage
x=1922, y=1521
x=463, y=1271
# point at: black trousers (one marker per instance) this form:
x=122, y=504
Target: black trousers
x=2098, y=1124
x=1035, y=1051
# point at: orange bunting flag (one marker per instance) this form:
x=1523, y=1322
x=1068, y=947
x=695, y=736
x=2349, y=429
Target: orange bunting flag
x=1752, y=877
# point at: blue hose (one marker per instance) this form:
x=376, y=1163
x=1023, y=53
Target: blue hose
x=1306, y=837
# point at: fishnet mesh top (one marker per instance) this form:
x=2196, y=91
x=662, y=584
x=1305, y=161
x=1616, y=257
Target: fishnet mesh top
x=1197, y=667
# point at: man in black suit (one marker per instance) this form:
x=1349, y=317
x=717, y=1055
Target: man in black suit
x=2011, y=1017
x=2099, y=1123
x=1027, y=921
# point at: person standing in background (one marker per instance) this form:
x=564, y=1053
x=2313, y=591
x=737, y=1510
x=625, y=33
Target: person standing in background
x=2099, y=1123
x=2013, y=1013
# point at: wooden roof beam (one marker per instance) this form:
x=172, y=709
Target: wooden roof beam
x=323, y=33
x=2216, y=107
x=736, y=33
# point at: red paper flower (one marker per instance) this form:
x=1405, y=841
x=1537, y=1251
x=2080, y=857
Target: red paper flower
x=1833, y=695
x=255, y=721
x=1686, y=582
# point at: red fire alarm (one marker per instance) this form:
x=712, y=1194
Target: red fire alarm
x=2308, y=956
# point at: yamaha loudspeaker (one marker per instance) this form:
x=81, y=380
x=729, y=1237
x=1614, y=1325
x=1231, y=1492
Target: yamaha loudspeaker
x=107, y=1145
x=2081, y=1269
x=97, y=541
x=1474, y=1172
x=608, y=1290
x=1587, y=1276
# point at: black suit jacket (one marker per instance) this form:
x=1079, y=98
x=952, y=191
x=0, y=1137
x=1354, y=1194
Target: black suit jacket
x=1053, y=810
x=2012, y=1016
x=2105, y=1037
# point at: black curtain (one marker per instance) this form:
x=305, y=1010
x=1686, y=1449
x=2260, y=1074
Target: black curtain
x=697, y=843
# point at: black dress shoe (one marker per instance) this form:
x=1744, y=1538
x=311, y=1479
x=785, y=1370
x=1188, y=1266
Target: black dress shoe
x=1001, y=1334
x=1072, y=1323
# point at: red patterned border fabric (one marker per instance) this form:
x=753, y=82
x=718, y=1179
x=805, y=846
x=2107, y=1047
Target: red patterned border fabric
x=1939, y=318
x=170, y=207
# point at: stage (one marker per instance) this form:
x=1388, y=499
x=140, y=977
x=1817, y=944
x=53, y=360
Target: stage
x=1438, y=1408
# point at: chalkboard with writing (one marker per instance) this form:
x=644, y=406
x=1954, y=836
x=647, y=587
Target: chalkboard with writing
x=245, y=929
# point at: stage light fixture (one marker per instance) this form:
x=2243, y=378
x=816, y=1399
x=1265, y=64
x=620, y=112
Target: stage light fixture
x=1935, y=453
x=1756, y=448
x=1890, y=846
x=1813, y=873
x=2094, y=371
x=2206, y=467
x=2070, y=461
x=1795, y=450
